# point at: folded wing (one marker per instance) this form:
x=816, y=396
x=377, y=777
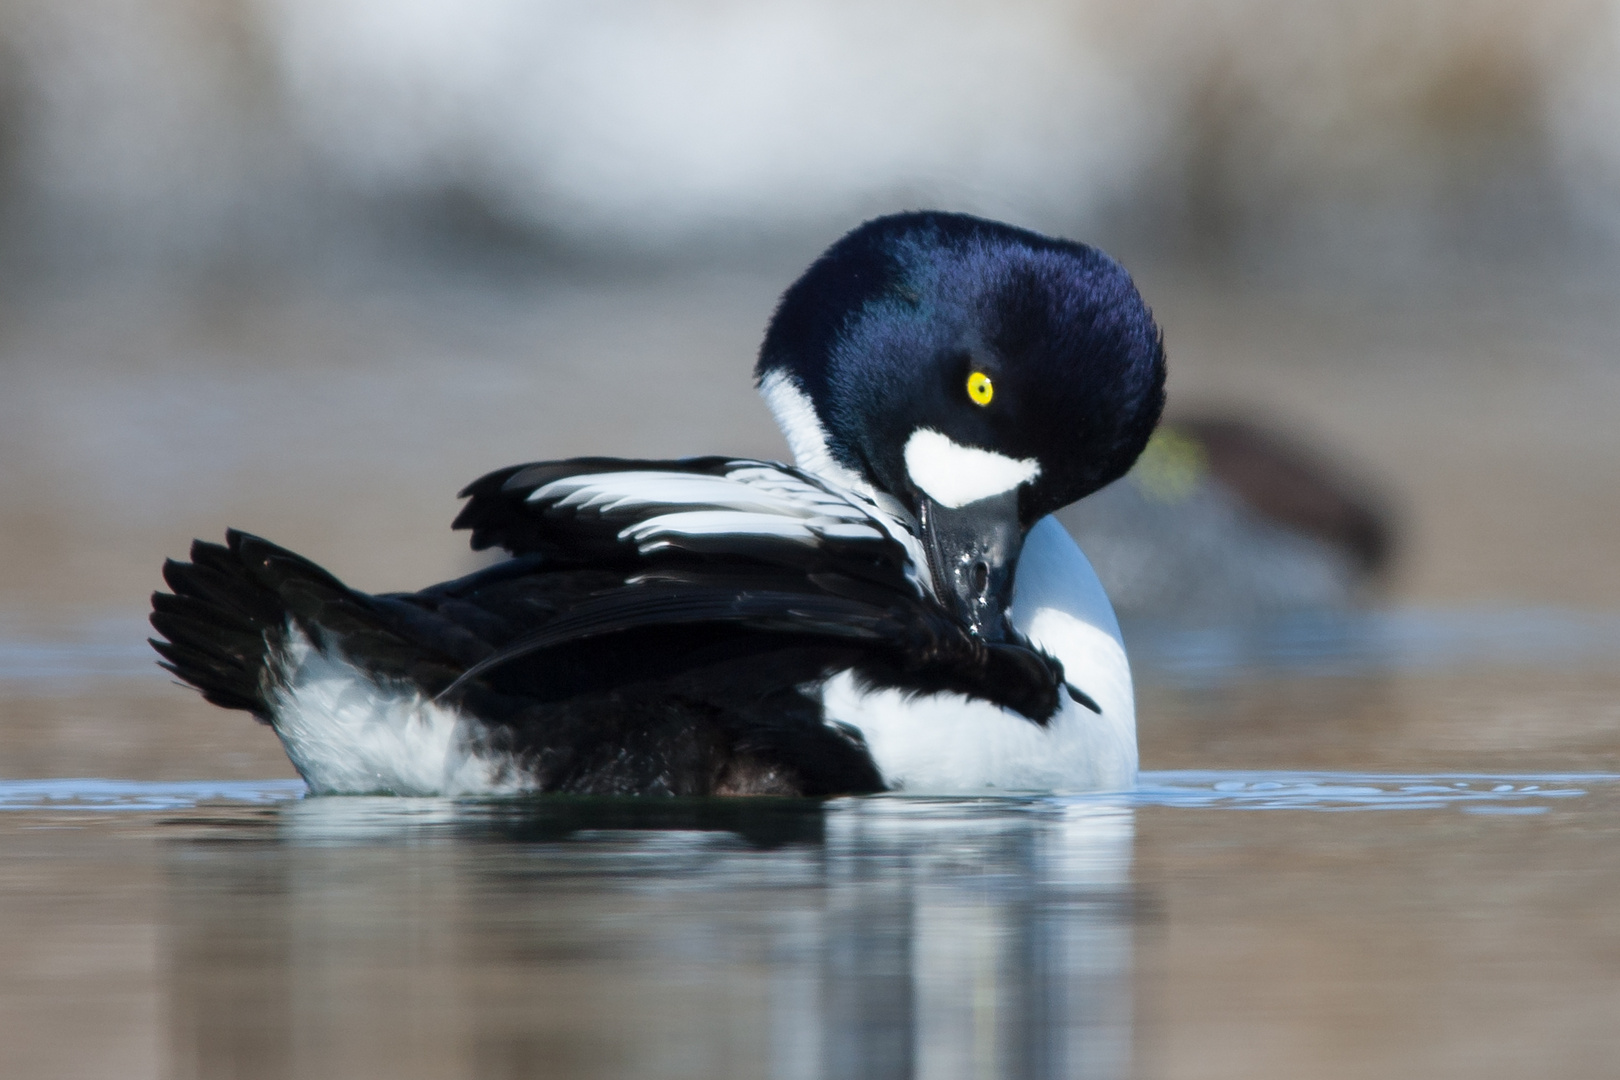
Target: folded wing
x=722, y=549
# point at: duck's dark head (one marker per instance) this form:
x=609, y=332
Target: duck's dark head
x=983, y=376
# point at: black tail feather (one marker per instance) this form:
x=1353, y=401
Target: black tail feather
x=220, y=624
x=228, y=614
x=232, y=605
x=220, y=684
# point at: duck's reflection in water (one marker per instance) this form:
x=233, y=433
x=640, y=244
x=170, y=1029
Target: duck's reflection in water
x=885, y=937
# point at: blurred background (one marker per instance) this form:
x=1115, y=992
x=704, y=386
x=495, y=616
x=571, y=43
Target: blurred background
x=306, y=268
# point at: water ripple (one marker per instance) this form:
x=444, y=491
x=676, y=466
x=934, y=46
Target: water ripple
x=1483, y=793
x=85, y=793
x=1266, y=790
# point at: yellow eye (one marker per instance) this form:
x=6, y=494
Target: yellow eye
x=980, y=388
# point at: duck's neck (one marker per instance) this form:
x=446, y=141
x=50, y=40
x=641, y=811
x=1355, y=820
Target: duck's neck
x=806, y=437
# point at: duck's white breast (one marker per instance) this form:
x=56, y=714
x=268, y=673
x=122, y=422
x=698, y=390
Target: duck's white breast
x=951, y=743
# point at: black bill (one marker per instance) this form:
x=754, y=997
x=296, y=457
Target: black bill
x=973, y=553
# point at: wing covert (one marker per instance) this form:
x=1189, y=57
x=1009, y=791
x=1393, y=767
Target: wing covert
x=610, y=511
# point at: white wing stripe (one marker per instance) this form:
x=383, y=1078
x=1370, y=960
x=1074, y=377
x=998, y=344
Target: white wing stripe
x=752, y=498
x=753, y=489
x=718, y=522
x=849, y=531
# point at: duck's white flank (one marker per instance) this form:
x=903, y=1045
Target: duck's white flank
x=954, y=475
x=348, y=735
x=950, y=743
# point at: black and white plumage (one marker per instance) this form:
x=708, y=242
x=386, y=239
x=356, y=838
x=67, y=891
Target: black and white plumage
x=899, y=611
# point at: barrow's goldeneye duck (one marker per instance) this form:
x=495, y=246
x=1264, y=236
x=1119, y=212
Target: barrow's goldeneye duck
x=898, y=611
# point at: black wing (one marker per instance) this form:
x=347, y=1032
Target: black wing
x=610, y=511
x=745, y=550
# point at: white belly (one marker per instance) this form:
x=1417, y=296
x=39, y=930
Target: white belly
x=950, y=743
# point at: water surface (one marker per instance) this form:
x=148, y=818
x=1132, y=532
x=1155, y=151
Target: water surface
x=1209, y=923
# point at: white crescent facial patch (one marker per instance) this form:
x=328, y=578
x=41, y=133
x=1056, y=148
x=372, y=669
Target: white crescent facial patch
x=954, y=475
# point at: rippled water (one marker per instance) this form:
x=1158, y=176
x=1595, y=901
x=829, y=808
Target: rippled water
x=1255, y=790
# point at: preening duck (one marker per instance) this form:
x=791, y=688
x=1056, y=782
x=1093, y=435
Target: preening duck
x=898, y=611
